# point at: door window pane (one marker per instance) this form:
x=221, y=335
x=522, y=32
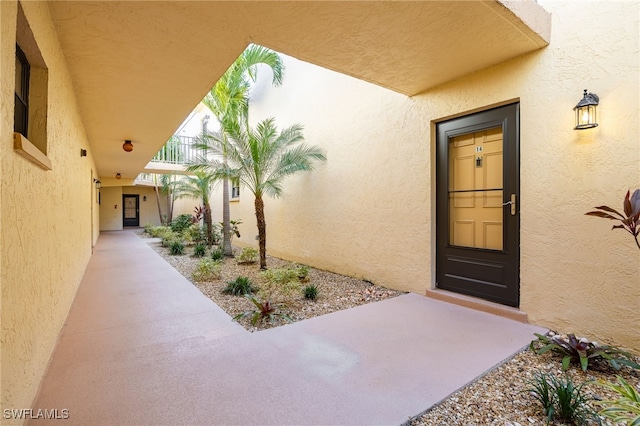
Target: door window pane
x=476, y=190
x=130, y=208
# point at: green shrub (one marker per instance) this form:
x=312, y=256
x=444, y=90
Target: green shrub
x=561, y=398
x=581, y=351
x=207, y=270
x=157, y=231
x=542, y=390
x=625, y=409
x=177, y=247
x=217, y=254
x=168, y=238
x=200, y=249
x=264, y=309
x=302, y=271
x=310, y=292
x=247, y=255
x=240, y=286
x=182, y=222
x=280, y=281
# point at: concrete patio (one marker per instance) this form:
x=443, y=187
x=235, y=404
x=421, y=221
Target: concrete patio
x=142, y=346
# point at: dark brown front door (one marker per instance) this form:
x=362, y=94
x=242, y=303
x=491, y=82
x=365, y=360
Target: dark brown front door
x=131, y=210
x=477, y=196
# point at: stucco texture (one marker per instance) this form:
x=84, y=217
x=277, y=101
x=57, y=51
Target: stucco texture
x=368, y=211
x=49, y=218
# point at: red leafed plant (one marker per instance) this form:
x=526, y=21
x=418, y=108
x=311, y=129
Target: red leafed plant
x=630, y=220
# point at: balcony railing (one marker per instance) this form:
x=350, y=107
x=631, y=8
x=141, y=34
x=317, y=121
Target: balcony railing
x=178, y=150
x=147, y=178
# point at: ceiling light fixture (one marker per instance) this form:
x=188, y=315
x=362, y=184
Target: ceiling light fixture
x=127, y=146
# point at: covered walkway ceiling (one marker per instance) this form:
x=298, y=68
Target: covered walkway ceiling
x=139, y=68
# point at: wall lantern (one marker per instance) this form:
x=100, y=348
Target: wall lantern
x=97, y=183
x=127, y=146
x=118, y=176
x=586, y=111
x=144, y=198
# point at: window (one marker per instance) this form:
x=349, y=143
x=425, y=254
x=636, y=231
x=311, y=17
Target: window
x=235, y=188
x=21, y=112
x=31, y=97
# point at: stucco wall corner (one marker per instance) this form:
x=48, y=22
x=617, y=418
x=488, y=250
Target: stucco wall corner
x=533, y=18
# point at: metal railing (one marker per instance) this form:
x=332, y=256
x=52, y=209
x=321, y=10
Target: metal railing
x=146, y=178
x=178, y=150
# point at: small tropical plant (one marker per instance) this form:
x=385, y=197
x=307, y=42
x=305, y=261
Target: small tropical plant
x=630, y=220
x=310, y=292
x=561, y=398
x=200, y=249
x=581, y=351
x=233, y=228
x=158, y=231
x=625, y=409
x=168, y=238
x=198, y=214
x=207, y=270
x=264, y=309
x=542, y=390
x=240, y=286
x=181, y=223
x=282, y=281
x=177, y=247
x=247, y=255
x=302, y=271
x=195, y=233
x=217, y=254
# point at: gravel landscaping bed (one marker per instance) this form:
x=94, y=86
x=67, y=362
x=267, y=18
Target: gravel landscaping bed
x=335, y=292
x=500, y=397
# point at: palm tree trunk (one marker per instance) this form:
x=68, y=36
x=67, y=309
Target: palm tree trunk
x=155, y=186
x=262, y=231
x=170, y=201
x=209, y=224
x=158, y=200
x=226, y=219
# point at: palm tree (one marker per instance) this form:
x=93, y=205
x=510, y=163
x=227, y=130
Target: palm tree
x=228, y=100
x=261, y=159
x=199, y=186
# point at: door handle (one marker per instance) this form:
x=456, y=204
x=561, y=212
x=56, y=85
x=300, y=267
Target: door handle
x=512, y=203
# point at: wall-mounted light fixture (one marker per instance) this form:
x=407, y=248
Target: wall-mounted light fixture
x=118, y=176
x=127, y=146
x=97, y=183
x=586, y=111
x=83, y=152
x=144, y=198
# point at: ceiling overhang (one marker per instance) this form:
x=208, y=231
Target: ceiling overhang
x=139, y=68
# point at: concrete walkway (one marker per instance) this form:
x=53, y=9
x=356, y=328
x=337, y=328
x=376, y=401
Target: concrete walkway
x=142, y=346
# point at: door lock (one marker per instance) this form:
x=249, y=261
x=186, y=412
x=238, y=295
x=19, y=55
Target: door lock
x=512, y=203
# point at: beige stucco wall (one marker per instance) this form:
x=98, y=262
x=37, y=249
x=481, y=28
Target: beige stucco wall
x=367, y=211
x=364, y=212
x=49, y=218
x=111, y=208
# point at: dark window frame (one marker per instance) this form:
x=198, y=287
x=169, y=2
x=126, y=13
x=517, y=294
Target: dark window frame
x=235, y=188
x=21, y=105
